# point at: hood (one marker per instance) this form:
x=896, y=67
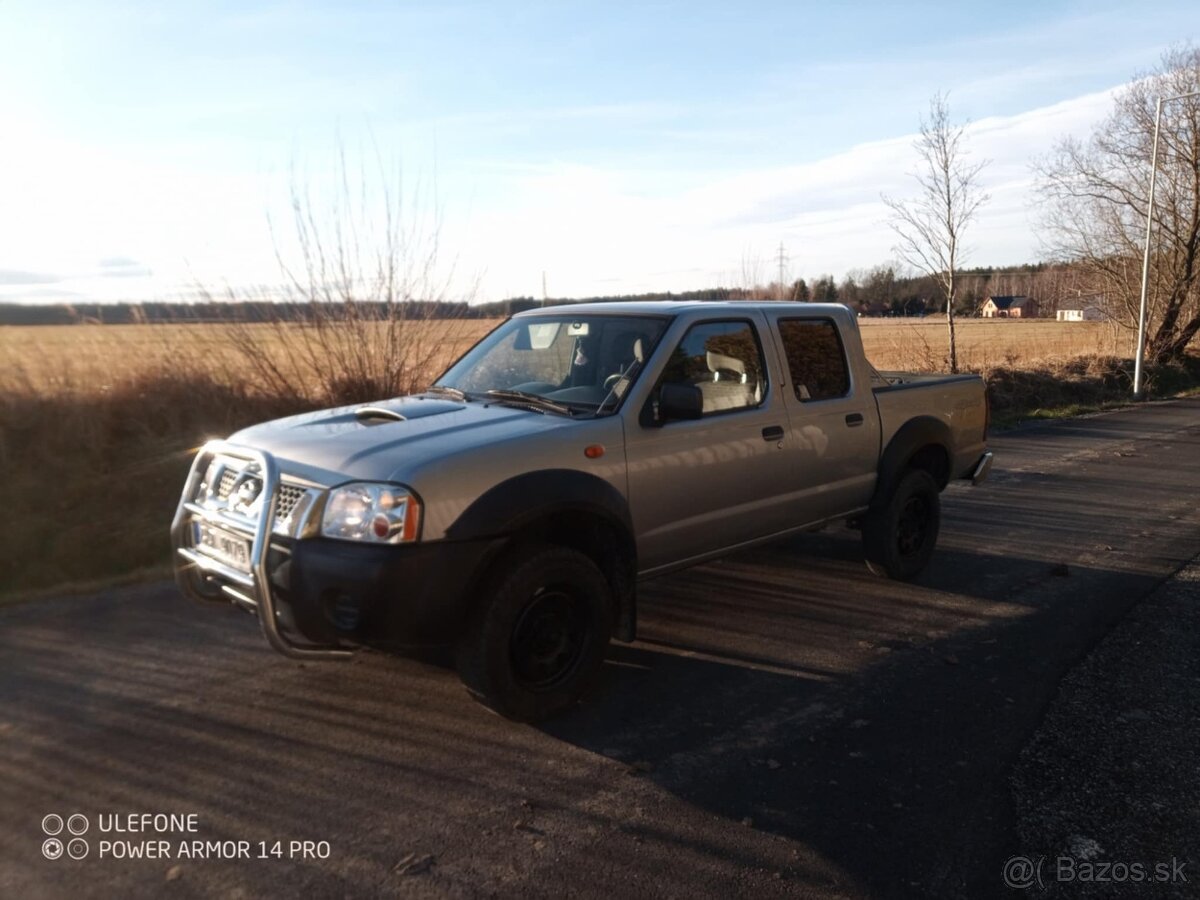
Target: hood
x=333, y=444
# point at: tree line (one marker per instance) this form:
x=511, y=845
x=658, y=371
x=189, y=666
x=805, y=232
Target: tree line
x=877, y=291
x=263, y=311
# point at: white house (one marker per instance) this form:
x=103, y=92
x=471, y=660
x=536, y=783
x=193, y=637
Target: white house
x=1086, y=314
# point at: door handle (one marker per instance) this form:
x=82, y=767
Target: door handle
x=854, y=420
x=773, y=433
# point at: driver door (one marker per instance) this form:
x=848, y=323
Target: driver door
x=697, y=487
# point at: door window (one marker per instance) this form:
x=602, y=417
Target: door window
x=815, y=358
x=724, y=360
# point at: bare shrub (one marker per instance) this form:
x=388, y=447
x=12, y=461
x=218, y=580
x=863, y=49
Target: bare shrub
x=353, y=319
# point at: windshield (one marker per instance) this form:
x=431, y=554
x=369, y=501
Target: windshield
x=583, y=362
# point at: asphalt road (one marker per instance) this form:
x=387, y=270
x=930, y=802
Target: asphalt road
x=787, y=724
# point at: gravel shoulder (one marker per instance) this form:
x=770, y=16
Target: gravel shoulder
x=1112, y=776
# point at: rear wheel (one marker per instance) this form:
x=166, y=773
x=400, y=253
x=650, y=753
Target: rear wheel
x=899, y=539
x=536, y=643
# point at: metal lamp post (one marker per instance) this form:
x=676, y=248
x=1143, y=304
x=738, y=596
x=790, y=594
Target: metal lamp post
x=1141, y=338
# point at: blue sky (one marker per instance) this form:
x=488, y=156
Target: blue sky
x=617, y=147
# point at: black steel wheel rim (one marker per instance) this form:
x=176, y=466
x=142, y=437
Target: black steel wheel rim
x=548, y=638
x=913, y=526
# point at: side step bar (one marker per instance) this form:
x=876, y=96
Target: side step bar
x=253, y=589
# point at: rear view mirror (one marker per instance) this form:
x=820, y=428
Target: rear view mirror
x=679, y=400
x=536, y=336
x=542, y=334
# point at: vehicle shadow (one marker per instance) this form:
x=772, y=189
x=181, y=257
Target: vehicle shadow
x=873, y=721
x=845, y=736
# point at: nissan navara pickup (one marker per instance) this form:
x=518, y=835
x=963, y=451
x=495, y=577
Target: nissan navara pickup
x=512, y=509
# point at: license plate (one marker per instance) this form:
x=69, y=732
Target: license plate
x=223, y=545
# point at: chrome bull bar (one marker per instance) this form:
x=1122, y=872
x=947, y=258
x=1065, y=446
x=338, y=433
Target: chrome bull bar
x=252, y=589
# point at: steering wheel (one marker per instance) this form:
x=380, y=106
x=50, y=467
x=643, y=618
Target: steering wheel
x=612, y=379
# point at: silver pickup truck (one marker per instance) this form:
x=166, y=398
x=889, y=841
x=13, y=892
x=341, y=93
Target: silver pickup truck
x=512, y=508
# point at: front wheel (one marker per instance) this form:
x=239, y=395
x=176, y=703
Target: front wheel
x=899, y=538
x=535, y=645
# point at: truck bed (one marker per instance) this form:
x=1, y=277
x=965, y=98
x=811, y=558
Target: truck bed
x=955, y=399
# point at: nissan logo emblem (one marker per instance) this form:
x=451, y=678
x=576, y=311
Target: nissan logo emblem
x=248, y=490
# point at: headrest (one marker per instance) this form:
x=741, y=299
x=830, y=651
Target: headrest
x=629, y=345
x=718, y=361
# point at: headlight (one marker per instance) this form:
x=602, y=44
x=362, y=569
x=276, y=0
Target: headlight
x=371, y=513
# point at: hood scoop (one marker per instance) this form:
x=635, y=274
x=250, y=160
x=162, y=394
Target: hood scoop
x=377, y=414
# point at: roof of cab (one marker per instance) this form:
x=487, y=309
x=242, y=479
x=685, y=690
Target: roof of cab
x=673, y=307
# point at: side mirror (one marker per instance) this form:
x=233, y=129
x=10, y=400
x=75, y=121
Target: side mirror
x=679, y=400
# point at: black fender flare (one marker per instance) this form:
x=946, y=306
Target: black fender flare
x=527, y=502
x=911, y=437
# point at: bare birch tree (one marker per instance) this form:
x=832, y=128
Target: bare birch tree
x=929, y=226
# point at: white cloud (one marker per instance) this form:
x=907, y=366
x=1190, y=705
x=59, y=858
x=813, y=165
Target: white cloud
x=600, y=230
x=593, y=230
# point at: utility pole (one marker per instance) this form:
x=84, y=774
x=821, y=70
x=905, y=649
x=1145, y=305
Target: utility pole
x=782, y=262
x=544, y=287
x=1141, y=334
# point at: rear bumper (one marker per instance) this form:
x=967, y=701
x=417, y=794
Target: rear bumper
x=982, y=469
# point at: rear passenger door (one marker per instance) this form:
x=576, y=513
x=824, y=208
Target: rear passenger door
x=699, y=486
x=834, y=423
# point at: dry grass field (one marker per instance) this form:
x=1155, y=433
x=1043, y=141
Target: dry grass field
x=984, y=344
x=96, y=358
x=91, y=358
x=98, y=423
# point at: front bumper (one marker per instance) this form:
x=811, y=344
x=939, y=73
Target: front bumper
x=394, y=596
x=316, y=597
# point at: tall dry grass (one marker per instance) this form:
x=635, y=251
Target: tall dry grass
x=93, y=474
x=98, y=426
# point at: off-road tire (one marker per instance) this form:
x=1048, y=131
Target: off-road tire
x=538, y=636
x=899, y=538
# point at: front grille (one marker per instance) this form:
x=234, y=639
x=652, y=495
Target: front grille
x=226, y=479
x=225, y=485
x=289, y=496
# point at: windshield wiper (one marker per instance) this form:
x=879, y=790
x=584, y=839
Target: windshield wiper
x=448, y=391
x=535, y=400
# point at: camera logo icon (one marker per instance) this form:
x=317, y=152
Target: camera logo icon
x=76, y=847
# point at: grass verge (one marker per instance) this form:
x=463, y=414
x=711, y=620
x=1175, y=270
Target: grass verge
x=93, y=477
x=1078, y=386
